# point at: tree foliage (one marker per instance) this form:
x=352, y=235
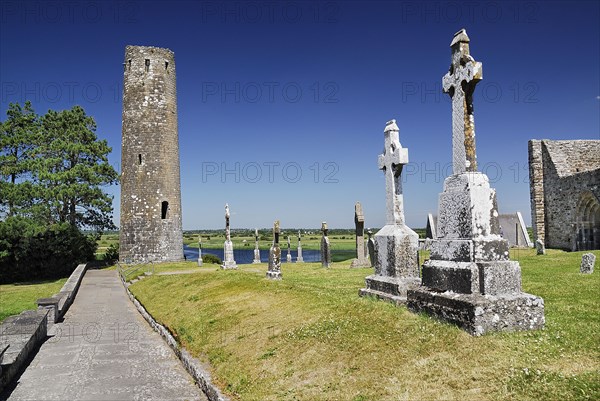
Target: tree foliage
x=52, y=172
x=73, y=168
x=18, y=136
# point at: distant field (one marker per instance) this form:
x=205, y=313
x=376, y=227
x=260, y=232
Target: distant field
x=310, y=337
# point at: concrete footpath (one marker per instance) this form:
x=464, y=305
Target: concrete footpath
x=104, y=350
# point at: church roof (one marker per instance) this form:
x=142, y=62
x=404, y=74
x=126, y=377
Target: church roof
x=574, y=157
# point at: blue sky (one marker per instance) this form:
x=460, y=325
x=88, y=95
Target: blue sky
x=282, y=104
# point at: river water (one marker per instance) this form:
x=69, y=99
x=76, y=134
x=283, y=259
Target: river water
x=246, y=256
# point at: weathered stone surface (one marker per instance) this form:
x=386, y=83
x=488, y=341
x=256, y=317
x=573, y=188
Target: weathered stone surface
x=274, y=270
x=460, y=83
x=228, y=259
x=564, y=183
x=514, y=230
x=469, y=279
x=395, y=246
x=396, y=249
x=478, y=314
x=256, y=249
x=22, y=334
x=588, y=260
x=371, y=248
x=430, y=228
x=199, y=250
x=299, y=259
x=150, y=228
x=289, y=251
x=359, y=223
x=492, y=278
x=325, y=247
x=50, y=305
x=539, y=247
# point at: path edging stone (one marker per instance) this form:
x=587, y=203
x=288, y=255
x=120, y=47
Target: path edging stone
x=191, y=364
x=21, y=335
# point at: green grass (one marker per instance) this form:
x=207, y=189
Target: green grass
x=15, y=298
x=311, y=337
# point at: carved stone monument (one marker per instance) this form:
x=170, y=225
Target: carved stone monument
x=539, y=247
x=199, y=250
x=396, y=245
x=359, y=224
x=469, y=279
x=228, y=260
x=371, y=248
x=299, y=259
x=325, y=247
x=256, y=250
x=588, y=260
x=274, y=272
x=288, y=258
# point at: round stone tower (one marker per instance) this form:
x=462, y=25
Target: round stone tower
x=150, y=185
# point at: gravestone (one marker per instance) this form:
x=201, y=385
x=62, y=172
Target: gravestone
x=396, y=245
x=289, y=251
x=587, y=263
x=539, y=247
x=256, y=250
x=469, y=279
x=359, y=224
x=228, y=260
x=299, y=259
x=199, y=250
x=514, y=230
x=325, y=247
x=371, y=248
x=274, y=271
x=430, y=231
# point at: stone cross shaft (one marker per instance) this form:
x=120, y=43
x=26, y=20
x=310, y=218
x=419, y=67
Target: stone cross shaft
x=392, y=160
x=460, y=83
x=276, y=232
x=227, y=231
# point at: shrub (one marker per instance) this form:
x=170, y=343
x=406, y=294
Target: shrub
x=112, y=253
x=210, y=258
x=29, y=251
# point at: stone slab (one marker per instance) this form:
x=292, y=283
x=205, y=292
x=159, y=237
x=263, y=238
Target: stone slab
x=480, y=314
x=588, y=260
x=274, y=275
x=389, y=289
x=492, y=278
x=467, y=250
x=396, y=250
x=22, y=334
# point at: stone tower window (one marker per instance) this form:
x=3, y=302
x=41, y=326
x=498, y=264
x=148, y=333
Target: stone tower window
x=166, y=66
x=147, y=64
x=164, y=209
x=129, y=65
x=140, y=159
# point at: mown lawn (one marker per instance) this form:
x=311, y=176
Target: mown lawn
x=17, y=297
x=311, y=337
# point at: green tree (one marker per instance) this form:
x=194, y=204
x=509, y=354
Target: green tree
x=18, y=136
x=73, y=167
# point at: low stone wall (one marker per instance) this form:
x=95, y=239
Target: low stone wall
x=22, y=334
x=25, y=332
x=191, y=364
